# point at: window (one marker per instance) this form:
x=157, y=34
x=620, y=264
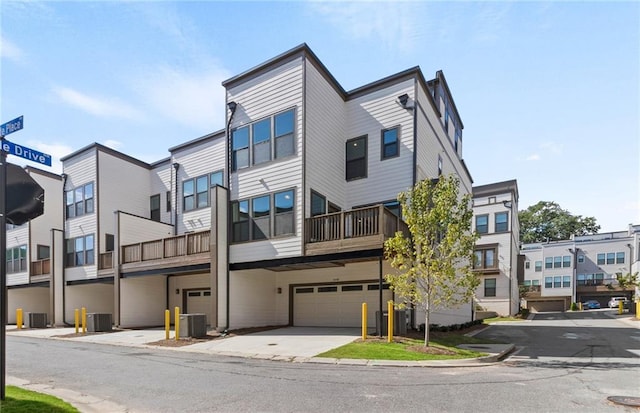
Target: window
x=356, y=167
x=566, y=261
x=80, y=251
x=17, y=259
x=195, y=191
x=318, y=204
x=619, y=257
x=482, y=224
x=548, y=282
x=600, y=259
x=390, y=144
x=458, y=140
x=580, y=259
x=566, y=281
x=168, y=203
x=611, y=258
x=538, y=266
x=446, y=120
x=283, y=202
x=535, y=282
x=260, y=212
x=492, y=199
x=261, y=141
x=109, y=242
x=240, y=148
x=154, y=206
x=557, y=262
x=502, y=221
x=557, y=281
x=527, y=283
x=394, y=207
x=265, y=220
x=439, y=165
x=79, y=201
x=490, y=287
x=548, y=262
x=284, y=125
x=485, y=259
x=42, y=252
x=527, y=265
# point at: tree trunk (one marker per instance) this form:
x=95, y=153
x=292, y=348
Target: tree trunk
x=426, y=329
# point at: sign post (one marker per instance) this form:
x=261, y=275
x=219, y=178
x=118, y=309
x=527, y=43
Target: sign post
x=3, y=265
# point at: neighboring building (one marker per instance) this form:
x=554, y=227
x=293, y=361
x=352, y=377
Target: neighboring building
x=279, y=219
x=495, y=210
x=583, y=268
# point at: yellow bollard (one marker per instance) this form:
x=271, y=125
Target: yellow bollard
x=84, y=320
x=364, y=321
x=76, y=315
x=19, y=318
x=177, y=322
x=390, y=321
x=167, y=324
x=580, y=306
x=620, y=307
x=638, y=310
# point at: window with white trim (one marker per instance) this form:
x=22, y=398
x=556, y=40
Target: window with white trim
x=195, y=191
x=17, y=259
x=263, y=217
x=80, y=251
x=79, y=201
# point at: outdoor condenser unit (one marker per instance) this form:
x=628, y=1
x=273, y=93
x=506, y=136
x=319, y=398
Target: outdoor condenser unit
x=98, y=322
x=36, y=320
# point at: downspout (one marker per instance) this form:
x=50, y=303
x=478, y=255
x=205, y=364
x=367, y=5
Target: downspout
x=232, y=108
x=415, y=168
x=176, y=166
x=64, y=246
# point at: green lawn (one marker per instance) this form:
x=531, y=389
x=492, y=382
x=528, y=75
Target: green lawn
x=18, y=400
x=498, y=319
x=375, y=350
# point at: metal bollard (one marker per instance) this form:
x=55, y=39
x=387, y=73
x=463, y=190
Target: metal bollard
x=364, y=321
x=84, y=320
x=177, y=322
x=19, y=318
x=167, y=324
x=390, y=321
x=76, y=315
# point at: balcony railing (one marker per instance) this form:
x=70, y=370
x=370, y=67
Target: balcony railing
x=182, y=245
x=105, y=261
x=41, y=267
x=356, y=223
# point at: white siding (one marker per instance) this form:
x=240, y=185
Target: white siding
x=135, y=229
x=369, y=115
x=96, y=298
x=142, y=301
x=325, y=140
x=41, y=226
x=31, y=300
x=161, y=182
x=253, y=299
x=278, y=90
x=15, y=238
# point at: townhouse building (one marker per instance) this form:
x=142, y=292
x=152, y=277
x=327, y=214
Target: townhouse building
x=583, y=268
x=495, y=210
x=278, y=219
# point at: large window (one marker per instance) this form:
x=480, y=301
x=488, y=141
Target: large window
x=79, y=201
x=390, y=143
x=318, y=204
x=356, y=167
x=557, y=262
x=490, y=287
x=485, y=259
x=548, y=262
x=80, y=251
x=566, y=261
x=263, y=217
x=263, y=140
x=482, y=224
x=601, y=259
x=195, y=191
x=619, y=257
x=590, y=279
x=502, y=221
x=154, y=207
x=538, y=266
x=611, y=258
x=17, y=259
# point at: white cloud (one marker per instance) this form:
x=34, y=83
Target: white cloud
x=191, y=99
x=56, y=150
x=533, y=157
x=394, y=23
x=99, y=106
x=10, y=51
x=553, y=147
x=113, y=144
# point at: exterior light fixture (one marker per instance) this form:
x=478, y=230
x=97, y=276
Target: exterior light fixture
x=507, y=204
x=403, y=100
x=232, y=106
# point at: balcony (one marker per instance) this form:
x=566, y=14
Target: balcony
x=40, y=270
x=354, y=230
x=187, y=249
x=105, y=261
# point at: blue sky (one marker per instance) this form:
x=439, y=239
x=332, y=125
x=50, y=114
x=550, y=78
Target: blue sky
x=548, y=91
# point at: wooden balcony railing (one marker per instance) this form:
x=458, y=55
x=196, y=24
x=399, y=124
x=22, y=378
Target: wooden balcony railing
x=41, y=267
x=105, y=261
x=356, y=223
x=182, y=245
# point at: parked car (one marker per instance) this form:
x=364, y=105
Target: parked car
x=591, y=305
x=615, y=302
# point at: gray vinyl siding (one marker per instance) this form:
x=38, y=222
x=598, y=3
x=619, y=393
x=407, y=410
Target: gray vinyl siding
x=194, y=162
x=15, y=238
x=369, y=115
x=325, y=137
x=275, y=91
x=135, y=229
x=161, y=182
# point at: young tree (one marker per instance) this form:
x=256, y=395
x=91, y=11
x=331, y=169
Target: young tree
x=546, y=221
x=434, y=264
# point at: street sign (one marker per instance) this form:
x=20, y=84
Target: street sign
x=26, y=153
x=11, y=126
x=25, y=198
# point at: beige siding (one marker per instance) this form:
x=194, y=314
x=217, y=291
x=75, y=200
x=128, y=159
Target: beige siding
x=278, y=90
x=253, y=299
x=135, y=229
x=30, y=300
x=142, y=301
x=325, y=140
x=178, y=284
x=369, y=115
x=96, y=298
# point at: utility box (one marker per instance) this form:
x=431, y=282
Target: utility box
x=399, y=322
x=193, y=325
x=98, y=322
x=36, y=320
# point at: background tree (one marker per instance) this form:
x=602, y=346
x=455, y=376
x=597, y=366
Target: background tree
x=546, y=221
x=434, y=264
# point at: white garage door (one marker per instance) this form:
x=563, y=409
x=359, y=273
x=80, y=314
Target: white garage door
x=199, y=301
x=334, y=305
